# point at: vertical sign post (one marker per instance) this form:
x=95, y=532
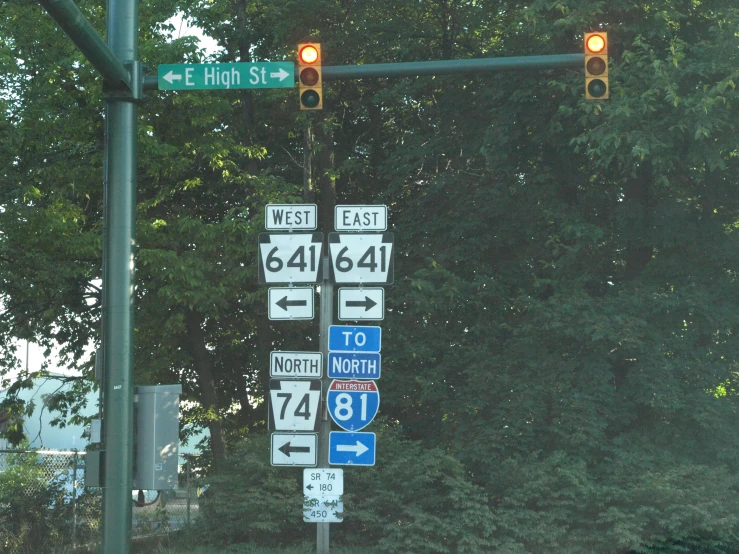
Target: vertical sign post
x=118, y=281
x=324, y=322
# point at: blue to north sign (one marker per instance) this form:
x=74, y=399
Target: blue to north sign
x=345, y=449
x=353, y=338
x=354, y=365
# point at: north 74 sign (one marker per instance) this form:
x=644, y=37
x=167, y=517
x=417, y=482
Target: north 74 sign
x=294, y=405
x=365, y=258
x=290, y=257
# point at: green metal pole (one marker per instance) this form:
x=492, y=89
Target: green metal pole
x=118, y=271
x=83, y=34
x=452, y=67
x=438, y=67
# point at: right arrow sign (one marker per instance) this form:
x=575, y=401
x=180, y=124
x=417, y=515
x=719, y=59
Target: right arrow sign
x=367, y=303
x=351, y=448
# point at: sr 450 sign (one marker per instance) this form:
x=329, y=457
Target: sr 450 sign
x=290, y=258
x=365, y=258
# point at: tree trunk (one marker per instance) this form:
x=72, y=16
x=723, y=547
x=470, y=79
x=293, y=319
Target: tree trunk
x=208, y=395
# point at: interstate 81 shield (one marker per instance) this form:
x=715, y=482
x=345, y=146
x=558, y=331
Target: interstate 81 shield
x=353, y=404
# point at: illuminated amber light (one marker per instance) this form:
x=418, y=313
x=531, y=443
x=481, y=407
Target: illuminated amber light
x=309, y=54
x=595, y=43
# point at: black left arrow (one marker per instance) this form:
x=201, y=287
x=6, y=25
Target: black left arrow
x=284, y=303
x=286, y=449
x=367, y=303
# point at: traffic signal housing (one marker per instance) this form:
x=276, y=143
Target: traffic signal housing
x=596, y=66
x=310, y=80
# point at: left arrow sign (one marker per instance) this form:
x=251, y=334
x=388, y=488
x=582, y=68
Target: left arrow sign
x=294, y=449
x=290, y=303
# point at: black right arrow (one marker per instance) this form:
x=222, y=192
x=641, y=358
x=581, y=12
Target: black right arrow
x=286, y=449
x=367, y=303
x=284, y=303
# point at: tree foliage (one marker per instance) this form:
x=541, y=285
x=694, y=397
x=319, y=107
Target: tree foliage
x=560, y=344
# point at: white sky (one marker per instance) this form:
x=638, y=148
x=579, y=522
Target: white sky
x=183, y=28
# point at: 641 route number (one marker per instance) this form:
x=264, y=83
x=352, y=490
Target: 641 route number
x=365, y=258
x=290, y=258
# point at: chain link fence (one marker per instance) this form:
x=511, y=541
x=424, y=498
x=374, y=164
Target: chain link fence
x=45, y=507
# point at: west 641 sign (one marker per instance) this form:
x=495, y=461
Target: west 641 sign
x=290, y=258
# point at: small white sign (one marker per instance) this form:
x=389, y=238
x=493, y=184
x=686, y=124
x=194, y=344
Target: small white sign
x=294, y=405
x=290, y=257
x=360, y=218
x=362, y=258
x=296, y=364
x=290, y=217
x=364, y=303
x=321, y=510
x=321, y=482
x=290, y=303
x=292, y=449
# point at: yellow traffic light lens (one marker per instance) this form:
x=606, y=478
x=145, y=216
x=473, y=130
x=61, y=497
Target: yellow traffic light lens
x=595, y=44
x=309, y=76
x=596, y=66
x=308, y=54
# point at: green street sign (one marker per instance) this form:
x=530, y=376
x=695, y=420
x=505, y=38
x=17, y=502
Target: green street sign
x=212, y=76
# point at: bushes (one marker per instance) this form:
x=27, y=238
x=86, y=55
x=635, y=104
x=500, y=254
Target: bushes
x=252, y=501
x=33, y=511
x=413, y=500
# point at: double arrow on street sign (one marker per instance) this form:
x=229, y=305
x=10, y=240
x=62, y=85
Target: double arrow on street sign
x=238, y=75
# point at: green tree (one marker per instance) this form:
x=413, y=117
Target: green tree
x=561, y=336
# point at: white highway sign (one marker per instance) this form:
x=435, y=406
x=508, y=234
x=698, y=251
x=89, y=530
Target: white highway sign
x=327, y=509
x=291, y=217
x=294, y=405
x=290, y=258
x=360, y=218
x=365, y=303
x=305, y=365
x=290, y=303
x=323, y=482
x=292, y=449
x=362, y=258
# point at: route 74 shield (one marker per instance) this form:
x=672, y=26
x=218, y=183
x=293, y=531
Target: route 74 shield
x=294, y=405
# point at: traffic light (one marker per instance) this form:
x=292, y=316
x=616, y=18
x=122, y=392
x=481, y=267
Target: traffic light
x=596, y=66
x=310, y=81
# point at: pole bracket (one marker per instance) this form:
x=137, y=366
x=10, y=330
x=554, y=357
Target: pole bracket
x=134, y=94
